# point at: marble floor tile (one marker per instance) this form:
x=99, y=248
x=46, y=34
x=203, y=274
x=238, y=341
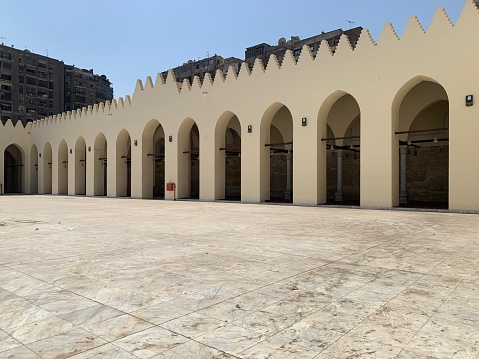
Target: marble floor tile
x=91, y=315
x=107, y=351
x=42, y=329
x=7, y=342
x=66, y=344
x=118, y=327
x=277, y=349
x=264, y=322
x=190, y=350
x=160, y=313
x=231, y=339
x=192, y=325
x=150, y=342
x=243, y=280
x=19, y=353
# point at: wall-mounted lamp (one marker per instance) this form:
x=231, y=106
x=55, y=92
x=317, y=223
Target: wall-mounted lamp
x=135, y=142
x=89, y=148
x=205, y=93
x=250, y=128
x=71, y=151
x=170, y=138
x=39, y=155
x=304, y=122
x=469, y=100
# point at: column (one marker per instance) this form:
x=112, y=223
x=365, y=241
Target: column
x=403, y=174
x=287, y=194
x=339, y=190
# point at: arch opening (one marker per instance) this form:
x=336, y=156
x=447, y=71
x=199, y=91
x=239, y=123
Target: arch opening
x=277, y=156
x=62, y=168
x=47, y=169
x=34, y=170
x=100, y=167
x=343, y=155
x=80, y=166
x=228, y=157
x=14, y=171
x=123, y=164
x=189, y=160
x=423, y=146
x=153, y=152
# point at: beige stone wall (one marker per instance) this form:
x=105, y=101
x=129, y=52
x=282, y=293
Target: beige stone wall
x=384, y=85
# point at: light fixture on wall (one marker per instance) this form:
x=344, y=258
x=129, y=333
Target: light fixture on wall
x=469, y=100
x=39, y=155
x=170, y=138
x=71, y=151
x=435, y=140
x=250, y=128
x=135, y=142
x=89, y=148
x=304, y=122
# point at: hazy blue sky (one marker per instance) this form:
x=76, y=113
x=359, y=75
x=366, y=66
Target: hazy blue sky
x=126, y=40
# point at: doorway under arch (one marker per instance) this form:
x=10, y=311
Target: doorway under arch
x=153, y=153
x=100, y=166
x=277, y=156
x=80, y=166
x=228, y=157
x=123, y=164
x=62, y=168
x=188, y=160
x=14, y=170
x=343, y=161
x=423, y=145
x=47, y=168
x=34, y=170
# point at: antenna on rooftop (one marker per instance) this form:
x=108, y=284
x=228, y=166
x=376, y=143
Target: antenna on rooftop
x=207, y=54
x=3, y=39
x=351, y=23
x=46, y=51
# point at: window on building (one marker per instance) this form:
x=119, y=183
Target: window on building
x=297, y=52
x=311, y=48
x=20, y=89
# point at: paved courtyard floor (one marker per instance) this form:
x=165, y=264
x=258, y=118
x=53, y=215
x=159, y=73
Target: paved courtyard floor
x=121, y=278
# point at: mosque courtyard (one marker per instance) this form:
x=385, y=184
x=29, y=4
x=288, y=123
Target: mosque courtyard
x=122, y=278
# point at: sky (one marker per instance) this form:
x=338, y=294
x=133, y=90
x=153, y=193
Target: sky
x=129, y=40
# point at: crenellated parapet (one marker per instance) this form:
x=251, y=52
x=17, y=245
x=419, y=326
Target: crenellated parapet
x=325, y=57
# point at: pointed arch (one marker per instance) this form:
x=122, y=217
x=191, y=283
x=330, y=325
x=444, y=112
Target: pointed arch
x=123, y=164
x=153, y=160
x=80, y=166
x=100, y=155
x=62, y=165
x=188, y=159
x=47, y=168
x=276, y=157
x=14, y=169
x=228, y=157
x=34, y=170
